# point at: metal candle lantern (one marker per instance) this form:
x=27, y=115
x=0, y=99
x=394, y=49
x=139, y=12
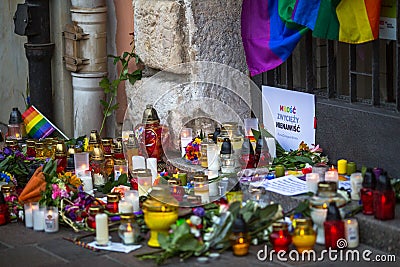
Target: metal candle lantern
x=240, y=239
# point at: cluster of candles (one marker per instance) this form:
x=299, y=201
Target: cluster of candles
x=41, y=218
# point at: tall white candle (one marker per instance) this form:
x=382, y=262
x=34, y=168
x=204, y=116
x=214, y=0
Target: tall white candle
x=51, y=220
x=212, y=157
x=152, y=166
x=312, y=180
x=356, y=180
x=102, y=237
x=186, y=138
x=138, y=162
x=28, y=215
x=213, y=188
x=38, y=218
x=351, y=233
x=271, y=146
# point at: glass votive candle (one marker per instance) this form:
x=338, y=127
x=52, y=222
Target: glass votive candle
x=38, y=217
x=312, y=180
x=81, y=161
x=112, y=202
x=304, y=236
x=144, y=180
x=138, y=162
x=28, y=215
x=133, y=197
x=321, y=169
x=331, y=176
x=51, y=220
x=125, y=206
x=118, y=170
x=280, y=236
x=201, y=188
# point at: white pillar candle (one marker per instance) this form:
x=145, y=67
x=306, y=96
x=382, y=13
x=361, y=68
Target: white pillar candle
x=102, y=237
x=129, y=236
x=51, y=220
x=331, y=176
x=152, y=166
x=356, y=180
x=87, y=182
x=28, y=215
x=312, y=180
x=125, y=206
x=186, y=138
x=223, y=186
x=38, y=217
x=351, y=233
x=138, y=162
x=213, y=157
x=132, y=196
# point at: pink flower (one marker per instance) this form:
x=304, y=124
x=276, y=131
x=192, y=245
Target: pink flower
x=316, y=149
x=56, y=191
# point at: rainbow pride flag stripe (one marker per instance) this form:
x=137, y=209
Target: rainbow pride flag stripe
x=37, y=125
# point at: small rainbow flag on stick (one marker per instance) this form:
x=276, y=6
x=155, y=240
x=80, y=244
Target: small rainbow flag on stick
x=37, y=125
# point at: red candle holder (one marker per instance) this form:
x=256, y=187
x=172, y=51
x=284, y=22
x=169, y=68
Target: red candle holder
x=333, y=226
x=112, y=203
x=280, y=236
x=384, y=199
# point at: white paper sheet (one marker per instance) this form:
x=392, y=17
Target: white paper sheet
x=117, y=247
x=288, y=185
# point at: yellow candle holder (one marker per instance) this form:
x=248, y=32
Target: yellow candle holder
x=304, y=236
x=160, y=211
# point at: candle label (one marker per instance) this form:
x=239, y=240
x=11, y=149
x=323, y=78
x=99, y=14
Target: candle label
x=50, y=223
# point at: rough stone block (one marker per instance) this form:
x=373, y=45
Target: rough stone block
x=158, y=32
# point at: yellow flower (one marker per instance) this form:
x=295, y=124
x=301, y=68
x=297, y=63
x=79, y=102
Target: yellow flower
x=85, y=144
x=75, y=181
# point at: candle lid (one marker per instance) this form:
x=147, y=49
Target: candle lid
x=239, y=225
x=383, y=183
x=112, y=197
x=30, y=143
x=106, y=141
x=132, y=141
x=94, y=137
x=15, y=116
x=97, y=153
x=6, y=188
x=226, y=147
x=127, y=217
x=61, y=149
x=333, y=212
x=369, y=180
x=200, y=178
x=95, y=209
x=160, y=200
x=215, y=134
x=150, y=115
x=303, y=222
x=277, y=226
x=11, y=142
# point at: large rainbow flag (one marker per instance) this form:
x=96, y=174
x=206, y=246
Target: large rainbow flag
x=267, y=39
x=37, y=125
x=349, y=21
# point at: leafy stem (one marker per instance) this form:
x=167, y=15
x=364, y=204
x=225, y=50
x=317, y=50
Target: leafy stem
x=111, y=87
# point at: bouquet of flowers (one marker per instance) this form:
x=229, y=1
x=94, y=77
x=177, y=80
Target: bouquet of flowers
x=193, y=151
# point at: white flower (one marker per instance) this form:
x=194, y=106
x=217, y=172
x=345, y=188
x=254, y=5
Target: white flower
x=195, y=220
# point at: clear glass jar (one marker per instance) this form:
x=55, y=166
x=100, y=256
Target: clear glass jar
x=203, y=151
x=128, y=230
x=97, y=166
x=201, y=188
x=231, y=130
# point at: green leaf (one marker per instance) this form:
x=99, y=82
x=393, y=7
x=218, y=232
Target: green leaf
x=125, y=54
x=104, y=103
x=122, y=179
x=163, y=241
x=269, y=211
x=188, y=242
x=116, y=59
x=115, y=84
x=107, y=187
x=256, y=134
x=302, y=159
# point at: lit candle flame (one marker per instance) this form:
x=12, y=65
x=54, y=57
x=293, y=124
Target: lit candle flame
x=241, y=240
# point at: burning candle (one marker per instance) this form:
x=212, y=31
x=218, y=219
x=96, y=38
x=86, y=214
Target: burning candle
x=51, y=220
x=144, y=180
x=331, y=176
x=312, y=180
x=342, y=166
x=102, y=237
x=81, y=161
x=351, y=233
x=28, y=215
x=186, y=138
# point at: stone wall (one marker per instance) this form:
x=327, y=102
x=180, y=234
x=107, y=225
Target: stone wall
x=168, y=33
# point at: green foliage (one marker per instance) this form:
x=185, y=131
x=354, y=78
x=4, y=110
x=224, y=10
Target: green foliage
x=111, y=87
x=122, y=180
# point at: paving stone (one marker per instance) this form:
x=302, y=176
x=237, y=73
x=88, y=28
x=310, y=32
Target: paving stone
x=27, y=256
x=97, y=261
